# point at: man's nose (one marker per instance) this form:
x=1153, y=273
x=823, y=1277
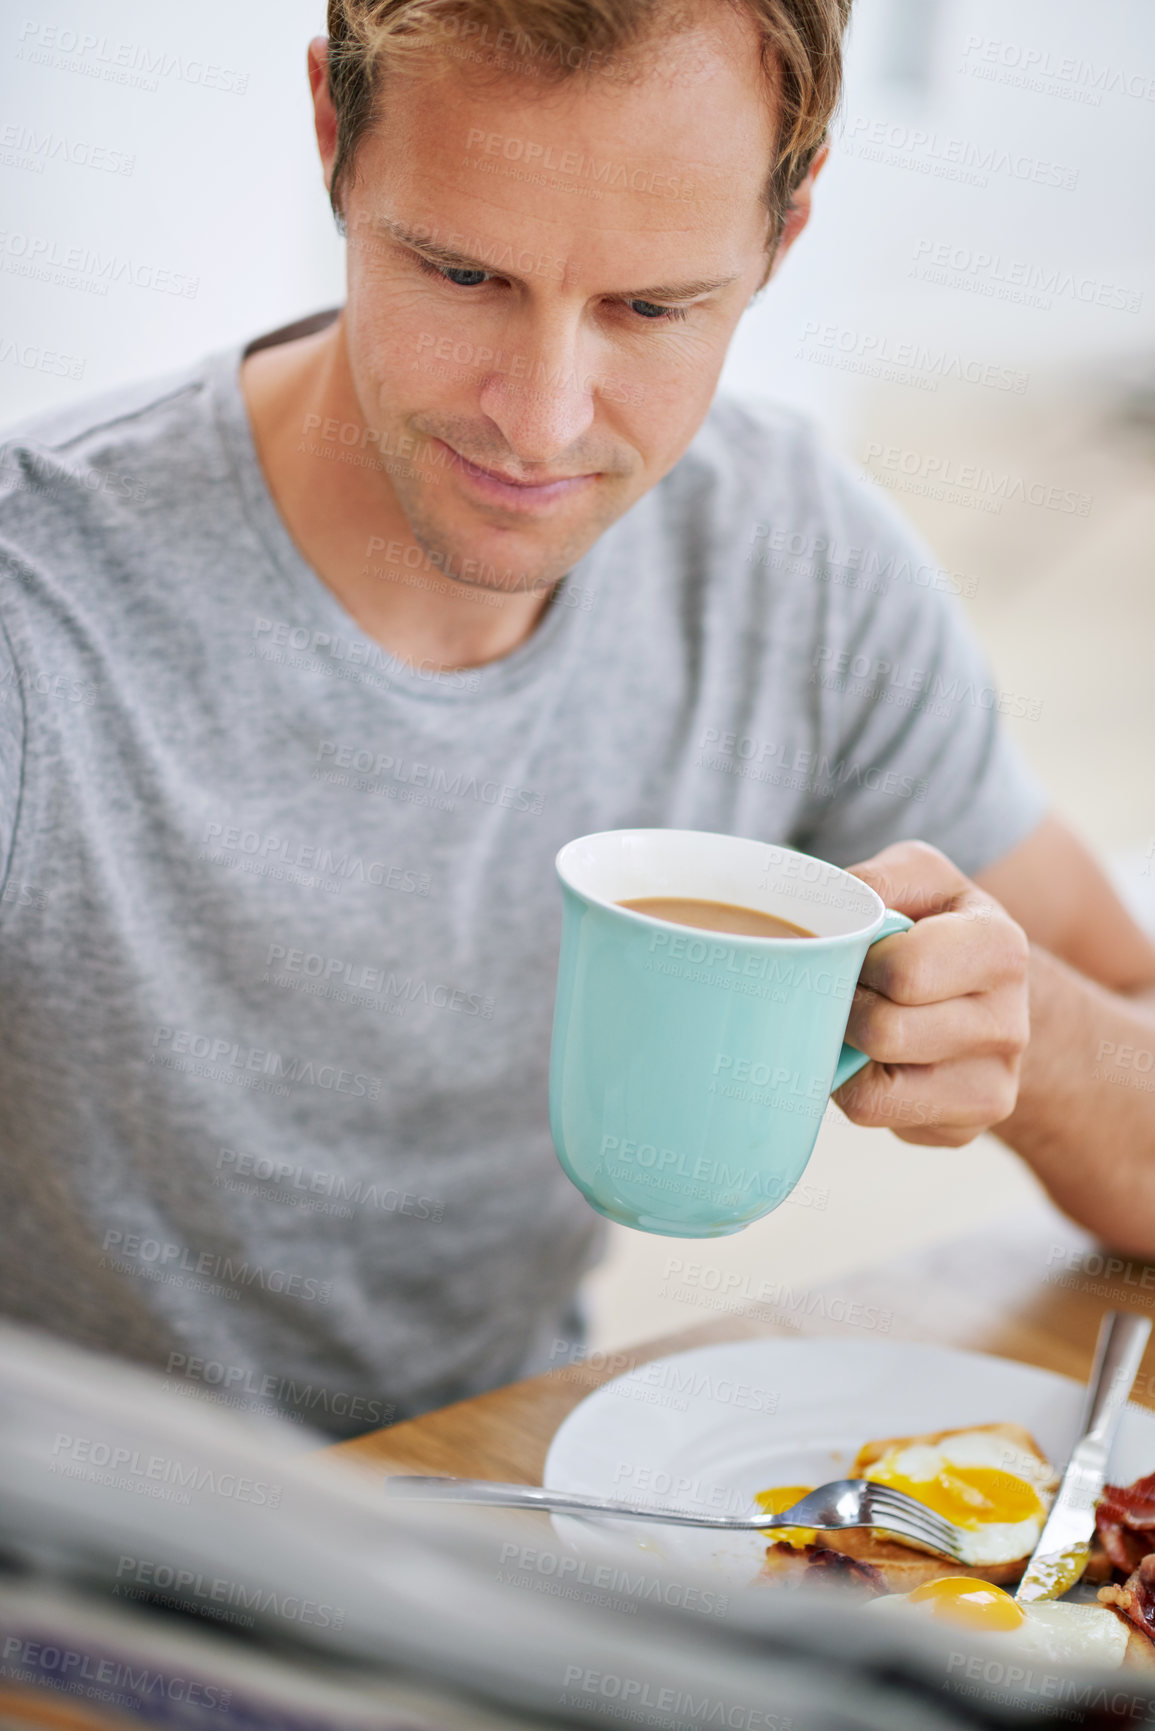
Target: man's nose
x=545, y=410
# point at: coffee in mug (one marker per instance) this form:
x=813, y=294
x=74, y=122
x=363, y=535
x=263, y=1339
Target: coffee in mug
x=716, y=917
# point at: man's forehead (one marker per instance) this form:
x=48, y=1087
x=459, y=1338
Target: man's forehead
x=704, y=103
x=667, y=163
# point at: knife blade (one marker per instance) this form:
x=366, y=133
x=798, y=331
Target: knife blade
x=1060, y=1556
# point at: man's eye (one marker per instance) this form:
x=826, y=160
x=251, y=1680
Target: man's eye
x=460, y=277
x=650, y=310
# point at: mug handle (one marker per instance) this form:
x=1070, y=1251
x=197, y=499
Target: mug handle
x=850, y=1059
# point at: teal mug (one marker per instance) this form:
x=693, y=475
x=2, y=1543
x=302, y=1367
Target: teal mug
x=690, y=1069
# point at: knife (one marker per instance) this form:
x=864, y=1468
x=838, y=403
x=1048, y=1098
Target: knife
x=1059, y=1558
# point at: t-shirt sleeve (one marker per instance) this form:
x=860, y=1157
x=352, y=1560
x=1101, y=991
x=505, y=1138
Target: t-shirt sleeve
x=11, y=752
x=912, y=743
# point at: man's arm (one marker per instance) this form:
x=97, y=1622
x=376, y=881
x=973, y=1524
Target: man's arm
x=1085, y=1117
x=1060, y=895
x=941, y=1018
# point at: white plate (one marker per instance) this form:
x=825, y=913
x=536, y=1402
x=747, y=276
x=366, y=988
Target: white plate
x=706, y=1429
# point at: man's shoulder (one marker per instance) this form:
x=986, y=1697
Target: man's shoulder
x=123, y=444
x=736, y=423
x=54, y=428
x=807, y=518
x=779, y=458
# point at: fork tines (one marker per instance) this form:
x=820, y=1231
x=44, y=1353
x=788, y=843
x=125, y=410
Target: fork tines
x=902, y=1514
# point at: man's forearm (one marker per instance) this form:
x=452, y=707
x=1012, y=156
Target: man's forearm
x=1085, y=1118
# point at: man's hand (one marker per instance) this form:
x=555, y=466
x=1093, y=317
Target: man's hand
x=942, y=1009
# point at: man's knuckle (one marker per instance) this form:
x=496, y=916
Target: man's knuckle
x=901, y=979
x=998, y=1096
x=921, y=980
x=1008, y=1094
x=1010, y=1025
x=930, y=863
x=960, y=1135
x=861, y=1105
x=1010, y=946
x=881, y=1031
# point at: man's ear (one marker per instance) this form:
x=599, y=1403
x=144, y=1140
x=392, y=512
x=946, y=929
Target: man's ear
x=324, y=114
x=797, y=215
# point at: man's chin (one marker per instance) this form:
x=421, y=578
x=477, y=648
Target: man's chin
x=506, y=563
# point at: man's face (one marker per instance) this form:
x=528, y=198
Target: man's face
x=542, y=286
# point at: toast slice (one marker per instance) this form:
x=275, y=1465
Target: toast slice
x=898, y=1568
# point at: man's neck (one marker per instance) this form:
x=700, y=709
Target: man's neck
x=335, y=510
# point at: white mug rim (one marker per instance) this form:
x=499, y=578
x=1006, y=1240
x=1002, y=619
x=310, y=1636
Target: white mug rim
x=616, y=909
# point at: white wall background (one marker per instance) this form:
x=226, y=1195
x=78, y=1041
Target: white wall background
x=224, y=186
x=853, y=268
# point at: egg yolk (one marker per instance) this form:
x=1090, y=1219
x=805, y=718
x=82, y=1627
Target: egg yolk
x=776, y=1501
x=971, y=1603
x=967, y=1496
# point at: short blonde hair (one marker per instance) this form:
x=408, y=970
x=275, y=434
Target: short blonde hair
x=555, y=40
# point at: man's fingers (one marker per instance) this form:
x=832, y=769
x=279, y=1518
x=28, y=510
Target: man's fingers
x=914, y=878
x=973, y=948
x=951, y=1102
x=942, y=1010
x=984, y=1024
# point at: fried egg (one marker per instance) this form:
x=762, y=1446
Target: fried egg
x=776, y=1501
x=1044, y=1630
x=978, y=1479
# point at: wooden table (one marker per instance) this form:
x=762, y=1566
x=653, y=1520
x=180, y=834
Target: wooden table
x=1031, y=1288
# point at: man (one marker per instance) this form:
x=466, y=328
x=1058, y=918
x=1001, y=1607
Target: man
x=316, y=655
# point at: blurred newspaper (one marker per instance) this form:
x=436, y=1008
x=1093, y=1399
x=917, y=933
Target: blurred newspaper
x=169, y=1565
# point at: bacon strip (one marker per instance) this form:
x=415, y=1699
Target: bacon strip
x=1135, y=1601
x=1125, y=1518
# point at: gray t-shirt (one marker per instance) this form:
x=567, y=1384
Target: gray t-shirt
x=279, y=924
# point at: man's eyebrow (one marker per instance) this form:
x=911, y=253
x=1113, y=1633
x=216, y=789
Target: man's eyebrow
x=454, y=260
x=679, y=291
x=423, y=243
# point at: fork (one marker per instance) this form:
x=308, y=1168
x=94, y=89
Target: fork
x=841, y=1504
